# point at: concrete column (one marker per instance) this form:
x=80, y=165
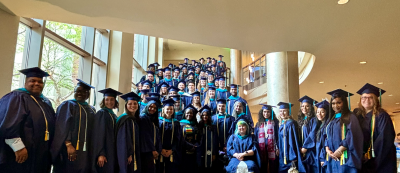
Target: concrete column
x=236, y=66
x=283, y=79
x=160, y=51
x=119, y=76
x=8, y=36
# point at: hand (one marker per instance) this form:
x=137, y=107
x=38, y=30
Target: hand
x=338, y=153
x=277, y=152
x=21, y=155
x=168, y=153
x=155, y=155
x=163, y=152
x=101, y=161
x=71, y=153
x=129, y=160
x=330, y=153
x=303, y=150
x=322, y=163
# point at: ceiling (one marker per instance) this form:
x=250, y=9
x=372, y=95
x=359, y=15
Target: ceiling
x=340, y=36
x=175, y=45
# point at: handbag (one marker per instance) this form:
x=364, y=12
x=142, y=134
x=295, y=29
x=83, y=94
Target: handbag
x=293, y=168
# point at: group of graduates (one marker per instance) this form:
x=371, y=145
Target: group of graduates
x=191, y=123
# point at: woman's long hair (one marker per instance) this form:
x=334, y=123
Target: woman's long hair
x=202, y=123
x=103, y=103
x=134, y=116
x=207, y=99
x=324, y=122
x=301, y=116
x=261, y=118
x=199, y=86
x=377, y=108
x=153, y=117
x=345, y=118
x=234, y=113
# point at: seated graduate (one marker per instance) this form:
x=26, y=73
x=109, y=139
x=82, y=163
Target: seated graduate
x=242, y=150
x=178, y=107
x=168, y=79
x=150, y=141
x=289, y=145
x=160, y=74
x=26, y=126
x=343, y=136
x=163, y=89
x=190, y=137
x=223, y=122
x=221, y=92
x=376, y=124
x=308, y=124
x=72, y=146
x=143, y=102
x=128, y=136
x=171, y=140
x=151, y=68
x=266, y=131
x=240, y=113
x=208, y=149
x=210, y=100
x=104, y=153
x=323, y=117
x=176, y=74
x=234, y=95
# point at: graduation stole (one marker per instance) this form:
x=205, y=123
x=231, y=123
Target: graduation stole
x=370, y=153
x=172, y=138
x=284, y=142
x=224, y=130
x=344, y=155
x=134, y=146
x=46, y=133
x=208, y=143
x=79, y=129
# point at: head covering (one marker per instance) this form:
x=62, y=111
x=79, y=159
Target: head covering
x=145, y=91
x=308, y=100
x=167, y=69
x=131, y=96
x=173, y=88
x=160, y=69
x=210, y=73
x=151, y=65
x=34, y=72
x=211, y=87
x=176, y=97
x=168, y=102
x=150, y=72
x=151, y=100
x=221, y=101
x=368, y=89
x=221, y=78
x=221, y=56
x=284, y=105
x=163, y=84
x=84, y=84
x=324, y=104
x=170, y=65
x=182, y=81
x=341, y=93
x=191, y=107
x=269, y=107
x=110, y=92
x=156, y=64
x=235, y=86
x=186, y=59
x=208, y=57
x=203, y=78
x=147, y=82
x=184, y=67
x=205, y=108
x=196, y=93
x=156, y=95
x=138, y=84
x=177, y=69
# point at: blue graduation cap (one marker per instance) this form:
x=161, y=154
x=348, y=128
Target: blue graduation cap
x=234, y=86
x=193, y=60
x=324, y=104
x=167, y=69
x=197, y=66
x=221, y=56
x=182, y=81
x=341, y=93
x=208, y=57
x=184, y=67
x=84, y=84
x=34, y=72
x=151, y=100
x=190, y=74
x=131, y=96
x=150, y=72
x=205, y=108
x=201, y=58
x=145, y=91
x=284, y=105
x=138, y=84
x=308, y=100
x=177, y=69
x=269, y=107
x=170, y=64
x=147, y=82
x=203, y=78
x=221, y=101
x=163, y=84
x=168, y=102
x=202, y=70
x=196, y=93
x=211, y=87
x=156, y=64
x=191, y=69
x=186, y=59
x=221, y=78
x=160, y=69
x=156, y=95
x=213, y=65
x=191, y=107
x=173, y=88
x=110, y=92
x=151, y=65
x=210, y=73
x=175, y=97
x=371, y=89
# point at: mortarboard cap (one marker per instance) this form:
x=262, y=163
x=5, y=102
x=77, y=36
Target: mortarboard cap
x=151, y=94
x=176, y=97
x=203, y=78
x=186, y=59
x=308, y=100
x=221, y=56
x=284, y=105
x=368, y=89
x=84, y=84
x=182, y=81
x=145, y=91
x=156, y=64
x=267, y=107
x=173, y=88
x=208, y=57
x=324, y=104
x=235, y=86
x=168, y=102
x=221, y=101
x=151, y=100
x=150, y=72
x=204, y=109
x=196, y=93
x=177, y=69
x=191, y=107
x=110, y=92
x=151, y=65
x=147, y=82
x=34, y=72
x=131, y=96
x=164, y=84
x=340, y=92
x=167, y=69
x=211, y=87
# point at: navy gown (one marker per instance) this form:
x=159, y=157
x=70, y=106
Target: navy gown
x=208, y=147
x=309, y=140
x=71, y=114
x=272, y=164
x=170, y=82
x=351, y=142
x=149, y=141
x=21, y=117
x=222, y=94
x=238, y=145
x=289, y=146
x=190, y=137
x=223, y=123
x=171, y=139
x=142, y=105
x=128, y=144
x=385, y=151
x=244, y=117
x=320, y=148
x=104, y=140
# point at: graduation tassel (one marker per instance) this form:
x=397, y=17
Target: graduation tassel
x=171, y=158
x=77, y=145
x=290, y=109
x=348, y=95
x=84, y=146
x=94, y=101
x=380, y=96
x=272, y=114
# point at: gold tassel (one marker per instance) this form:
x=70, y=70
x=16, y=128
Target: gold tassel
x=327, y=157
x=84, y=146
x=77, y=145
x=161, y=159
x=47, y=136
x=171, y=158
x=135, y=166
x=284, y=159
x=154, y=161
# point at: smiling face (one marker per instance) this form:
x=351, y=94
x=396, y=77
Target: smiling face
x=196, y=99
x=221, y=108
x=181, y=86
x=321, y=113
x=34, y=85
x=239, y=108
x=284, y=113
x=81, y=93
x=150, y=77
x=337, y=105
x=367, y=101
x=242, y=129
x=233, y=91
x=189, y=114
x=204, y=116
x=132, y=106
x=167, y=74
x=305, y=108
x=168, y=111
x=211, y=93
x=191, y=87
x=266, y=113
x=152, y=109
x=109, y=101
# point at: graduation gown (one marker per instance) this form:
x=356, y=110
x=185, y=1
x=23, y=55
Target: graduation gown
x=128, y=144
x=222, y=94
x=320, y=148
x=222, y=123
x=170, y=82
x=212, y=104
x=238, y=145
x=190, y=137
x=272, y=164
x=351, y=142
x=231, y=102
x=308, y=138
x=104, y=140
x=179, y=115
x=244, y=117
x=208, y=146
x=289, y=147
x=149, y=141
x=171, y=139
x=142, y=106
x=385, y=152
x=21, y=117
x=73, y=121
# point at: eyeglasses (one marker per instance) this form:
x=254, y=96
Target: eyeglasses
x=365, y=98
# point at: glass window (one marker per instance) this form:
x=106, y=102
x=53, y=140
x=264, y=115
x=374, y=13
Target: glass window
x=70, y=32
x=140, y=49
x=19, y=54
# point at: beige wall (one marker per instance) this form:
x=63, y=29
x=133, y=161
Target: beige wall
x=177, y=56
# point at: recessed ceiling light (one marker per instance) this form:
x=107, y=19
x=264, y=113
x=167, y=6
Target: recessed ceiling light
x=380, y=83
x=363, y=62
x=397, y=103
x=391, y=95
x=321, y=82
x=341, y=2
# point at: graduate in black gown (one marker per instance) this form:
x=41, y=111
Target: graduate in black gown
x=242, y=150
x=168, y=79
x=222, y=92
x=151, y=68
x=240, y=112
x=150, y=141
x=323, y=117
x=343, y=146
x=104, y=125
x=128, y=136
x=72, y=146
x=208, y=150
x=266, y=132
x=378, y=131
x=308, y=124
x=289, y=144
x=190, y=137
x=171, y=140
x=26, y=127
x=234, y=95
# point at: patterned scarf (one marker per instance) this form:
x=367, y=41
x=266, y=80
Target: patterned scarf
x=267, y=127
